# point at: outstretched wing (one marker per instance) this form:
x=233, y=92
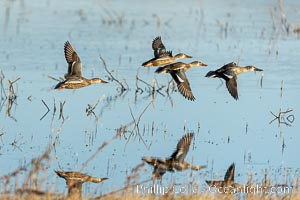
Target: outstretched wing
x=183, y=84
x=159, y=48
x=227, y=69
x=73, y=60
x=231, y=85
x=229, y=175
x=182, y=147
x=231, y=82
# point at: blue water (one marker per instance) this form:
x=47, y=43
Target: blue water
x=32, y=36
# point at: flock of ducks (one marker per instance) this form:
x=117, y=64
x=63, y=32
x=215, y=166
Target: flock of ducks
x=166, y=63
x=176, y=162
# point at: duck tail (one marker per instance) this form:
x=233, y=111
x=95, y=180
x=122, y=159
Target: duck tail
x=145, y=64
x=60, y=86
x=211, y=74
x=149, y=160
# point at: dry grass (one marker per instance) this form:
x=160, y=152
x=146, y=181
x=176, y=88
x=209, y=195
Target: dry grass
x=30, y=196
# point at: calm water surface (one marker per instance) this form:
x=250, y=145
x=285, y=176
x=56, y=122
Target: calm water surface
x=214, y=32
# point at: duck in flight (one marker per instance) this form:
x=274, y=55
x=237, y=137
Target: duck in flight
x=161, y=55
x=177, y=71
x=229, y=73
x=228, y=179
x=74, y=181
x=175, y=161
x=74, y=78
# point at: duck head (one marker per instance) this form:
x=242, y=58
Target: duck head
x=253, y=68
x=198, y=63
x=97, y=81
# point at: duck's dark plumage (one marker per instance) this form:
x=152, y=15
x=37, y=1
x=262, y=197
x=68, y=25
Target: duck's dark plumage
x=182, y=147
x=229, y=73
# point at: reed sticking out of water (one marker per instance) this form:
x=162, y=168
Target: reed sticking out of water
x=170, y=89
x=283, y=19
x=3, y=94
x=16, y=144
x=90, y=108
x=7, y=14
x=136, y=123
x=47, y=110
x=261, y=80
x=151, y=88
x=12, y=98
x=119, y=132
x=112, y=17
x=61, y=110
x=282, y=146
x=122, y=86
x=281, y=88
x=281, y=119
x=54, y=111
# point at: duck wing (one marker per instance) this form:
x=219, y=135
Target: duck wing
x=158, y=47
x=229, y=175
x=226, y=67
x=171, y=67
x=231, y=85
x=182, y=147
x=73, y=60
x=183, y=84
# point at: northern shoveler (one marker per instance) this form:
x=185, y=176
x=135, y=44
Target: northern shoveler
x=161, y=55
x=74, y=78
x=74, y=181
x=175, y=161
x=228, y=179
x=177, y=71
x=229, y=73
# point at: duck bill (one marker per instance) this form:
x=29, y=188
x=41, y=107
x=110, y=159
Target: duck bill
x=259, y=70
x=187, y=56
